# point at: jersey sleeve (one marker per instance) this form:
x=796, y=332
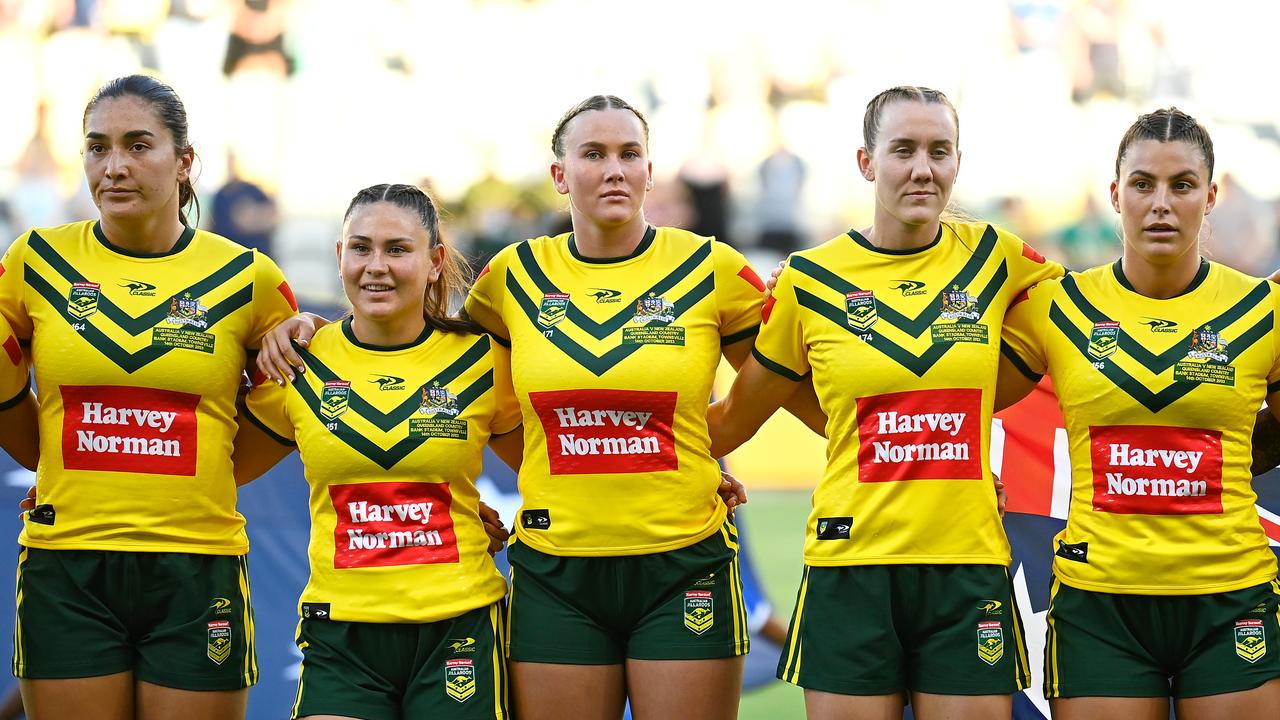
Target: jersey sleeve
x=1273, y=376
x=273, y=300
x=484, y=302
x=265, y=407
x=781, y=346
x=1023, y=337
x=15, y=381
x=12, y=308
x=739, y=293
x=1026, y=266
x=506, y=409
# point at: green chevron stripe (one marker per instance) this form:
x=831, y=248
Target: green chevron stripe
x=389, y=457
x=917, y=364
x=1177, y=389
x=599, y=365
x=603, y=330
x=110, y=349
x=1165, y=360
x=137, y=325
x=387, y=421
x=929, y=315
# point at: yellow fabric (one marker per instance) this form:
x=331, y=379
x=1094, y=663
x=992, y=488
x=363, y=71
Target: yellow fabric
x=903, y=348
x=613, y=363
x=14, y=376
x=1159, y=398
x=144, y=354
x=392, y=442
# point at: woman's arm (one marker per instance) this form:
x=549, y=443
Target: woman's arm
x=1266, y=436
x=803, y=403
x=20, y=431
x=254, y=451
x=277, y=358
x=509, y=447
x=756, y=394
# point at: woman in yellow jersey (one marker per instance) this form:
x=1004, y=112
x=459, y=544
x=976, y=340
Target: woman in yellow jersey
x=1164, y=584
x=906, y=594
x=132, y=591
x=624, y=579
x=402, y=616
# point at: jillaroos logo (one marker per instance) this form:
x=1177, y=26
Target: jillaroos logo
x=607, y=431
x=920, y=435
x=1156, y=470
x=129, y=429
x=392, y=523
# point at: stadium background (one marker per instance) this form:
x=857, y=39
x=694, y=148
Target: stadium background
x=756, y=115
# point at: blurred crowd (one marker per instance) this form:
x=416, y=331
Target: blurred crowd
x=755, y=113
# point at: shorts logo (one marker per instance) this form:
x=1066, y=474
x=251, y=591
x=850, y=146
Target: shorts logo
x=920, y=435
x=605, y=295
x=459, y=679
x=552, y=309
x=653, y=309
x=834, y=528
x=1104, y=339
x=860, y=309
x=188, y=311
x=115, y=428
x=138, y=288
x=990, y=642
x=607, y=431
x=83, y=299
x=392, y=523
x=334, y=397
x=220, y=606
x=463, y=645
x=909, y=287
x=219, y=641
x=1156, y=470
x=437, y=400
x=1251, y=640
x=699, y=611
x=387, y=382
x=992, y=608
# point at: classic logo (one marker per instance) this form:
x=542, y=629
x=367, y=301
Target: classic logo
x=459, y=679
x=1158, y=325
x=437, y=400
x=114, y=428
x=387, y=382
x=1208, y=345
x=607, y=431
x=834, y=528
x=219, y=648
x=138, y=288
x=992, y=608
x=1251, y=640
x=699, y=611
x=959, y=305
x=920, y=435
x=220, y=606
x=392, y=523
x=1156, y=470
x=552, y=309
x=605, y=295
x=653, y=309
x=990, y=642
x=860, y=309
x=83, y=299
x=463, y=645
x=334, y=397
x=909, y=287
x=188, y=311
x=1104, y=339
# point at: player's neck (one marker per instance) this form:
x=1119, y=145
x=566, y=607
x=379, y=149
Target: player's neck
x=390, y=331
x=890, y=234
x=618, y=241
x=149, y=235
x=1160, y=282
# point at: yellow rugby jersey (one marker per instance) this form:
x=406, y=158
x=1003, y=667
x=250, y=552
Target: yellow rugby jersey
x=137, y=360
x=392, y=440
x=1159, y=398
x=613, y=361
x=903, y=347
x=15, y=380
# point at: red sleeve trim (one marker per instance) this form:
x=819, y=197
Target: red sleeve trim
x=287, y=292
x=1030, y=253
x=13, y=350
x=767, y=310
x=746, y=273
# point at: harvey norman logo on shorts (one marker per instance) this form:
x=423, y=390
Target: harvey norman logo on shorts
x=920, y=435
x=392, y=523
x=129, y=429
x=1155, y=470
x=607, y=431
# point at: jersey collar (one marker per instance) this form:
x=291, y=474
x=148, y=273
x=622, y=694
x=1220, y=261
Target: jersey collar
x=1196, y=281
x=351, y=337
x=183, y=241
x=649, y=234
x=864, y=242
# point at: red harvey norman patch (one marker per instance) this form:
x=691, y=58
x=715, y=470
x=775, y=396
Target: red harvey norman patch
x=920, y=435
x=1156, y=470
x=129, y=429
x=392, y=523
x=607, y=431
